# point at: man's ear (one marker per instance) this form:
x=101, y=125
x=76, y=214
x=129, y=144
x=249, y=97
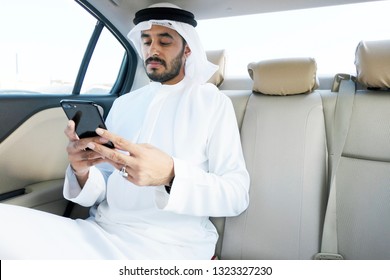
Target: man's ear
x=187, y=51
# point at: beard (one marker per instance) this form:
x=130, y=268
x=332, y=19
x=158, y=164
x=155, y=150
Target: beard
x=171, y=72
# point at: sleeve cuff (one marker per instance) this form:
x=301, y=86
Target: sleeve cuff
x=92, y=192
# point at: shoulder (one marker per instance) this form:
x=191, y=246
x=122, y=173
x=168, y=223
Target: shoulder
x=208, y=87
x=211, y=93
x=215, y=97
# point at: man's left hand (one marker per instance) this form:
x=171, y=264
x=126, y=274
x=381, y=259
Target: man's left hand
x=145, y=164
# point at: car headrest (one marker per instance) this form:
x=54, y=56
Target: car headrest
x=372, y=61
x=218, y=58
x=284, y=76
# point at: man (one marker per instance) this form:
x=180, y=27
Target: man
x=177, y=158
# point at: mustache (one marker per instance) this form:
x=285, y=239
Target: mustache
x=155, y=59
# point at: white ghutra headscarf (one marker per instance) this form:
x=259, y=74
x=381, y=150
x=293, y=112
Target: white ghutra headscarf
x=197, y=67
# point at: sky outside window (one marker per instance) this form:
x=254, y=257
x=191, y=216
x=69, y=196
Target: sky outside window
x=328, y=34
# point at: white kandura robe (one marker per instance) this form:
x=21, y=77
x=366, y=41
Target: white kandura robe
x=194, y=124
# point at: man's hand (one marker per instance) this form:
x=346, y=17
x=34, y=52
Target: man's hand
x=145, y=164
x=80, y=158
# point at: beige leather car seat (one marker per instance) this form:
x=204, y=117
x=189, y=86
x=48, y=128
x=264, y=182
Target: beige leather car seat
x=217, y=57
x=362, y=196
x=284, y=143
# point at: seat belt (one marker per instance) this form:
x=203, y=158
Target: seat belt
x=68, y=210
x=341, y=121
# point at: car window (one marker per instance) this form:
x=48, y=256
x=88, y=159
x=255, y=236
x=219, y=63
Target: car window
x=42, y=44
x=328, y=34
x=104, y=65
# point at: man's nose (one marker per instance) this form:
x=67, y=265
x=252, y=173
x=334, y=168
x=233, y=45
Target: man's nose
x=154, y=50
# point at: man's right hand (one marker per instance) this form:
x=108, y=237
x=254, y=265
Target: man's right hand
x=80, y=158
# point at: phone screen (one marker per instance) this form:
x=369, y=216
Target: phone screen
x=86, y=116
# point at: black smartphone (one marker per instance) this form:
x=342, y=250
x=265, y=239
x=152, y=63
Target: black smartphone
x=87, y=117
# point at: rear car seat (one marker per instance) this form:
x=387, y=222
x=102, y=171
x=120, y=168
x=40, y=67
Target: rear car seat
x=218, y=58
x=284, y=143
x=362, y=196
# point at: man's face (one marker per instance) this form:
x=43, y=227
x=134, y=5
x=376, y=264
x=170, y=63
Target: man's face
x=164, y=54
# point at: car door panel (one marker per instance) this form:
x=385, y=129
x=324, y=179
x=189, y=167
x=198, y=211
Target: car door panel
x=33, y=156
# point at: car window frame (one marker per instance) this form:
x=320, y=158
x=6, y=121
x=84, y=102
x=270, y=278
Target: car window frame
x=126, y=71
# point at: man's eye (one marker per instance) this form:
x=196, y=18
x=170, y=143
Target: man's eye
x=146, y=43
x=165, y=43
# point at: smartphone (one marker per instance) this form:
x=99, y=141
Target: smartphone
x=87, y=117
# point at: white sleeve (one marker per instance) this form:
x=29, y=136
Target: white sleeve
x=223, y=189
x=93, y=192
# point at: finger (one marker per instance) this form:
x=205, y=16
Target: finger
x=82, y=157
x=78, y=145
x=83, y=160
x=118, y=158
x=117, y=166
x=119, y=142
x=70, y=131
x=85, y=164
x=93, y=162
x=90, y=155
x=129, y=172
